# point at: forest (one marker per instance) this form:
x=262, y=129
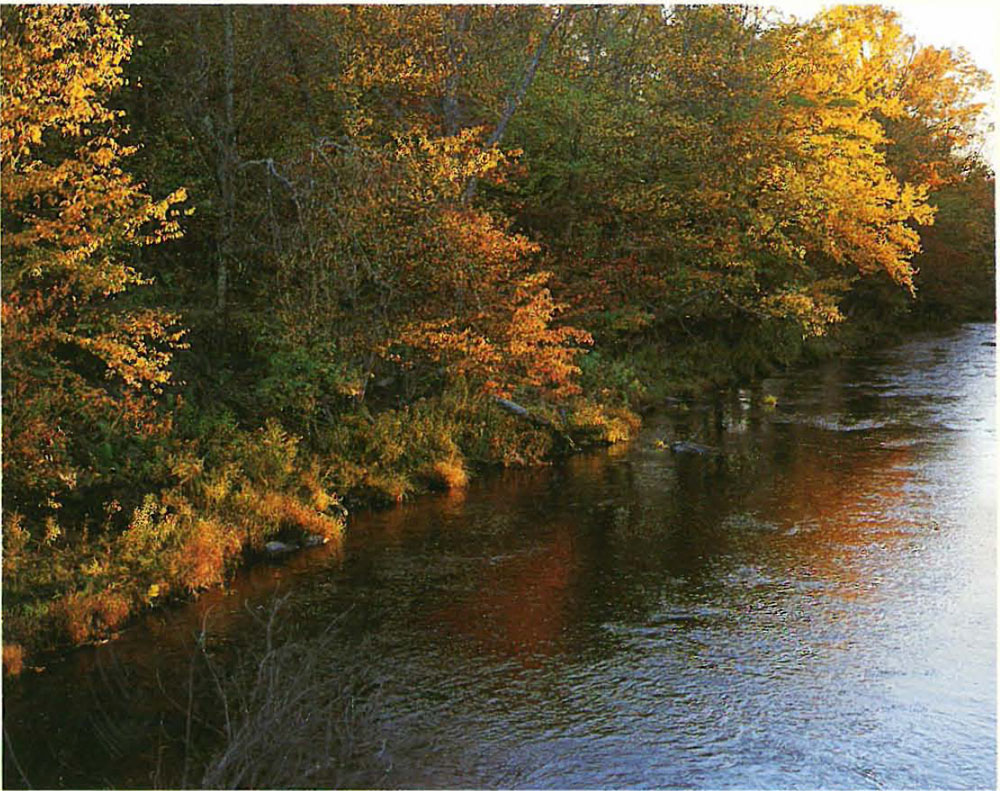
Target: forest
x=263, y=265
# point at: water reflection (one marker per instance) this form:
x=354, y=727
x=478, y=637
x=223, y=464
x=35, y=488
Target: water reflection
x=522, y=609
x=812, y=607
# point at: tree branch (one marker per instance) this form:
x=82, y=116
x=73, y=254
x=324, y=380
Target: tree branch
x=514, y=101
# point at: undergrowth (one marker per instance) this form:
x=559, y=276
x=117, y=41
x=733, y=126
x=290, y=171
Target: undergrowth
x=224, y=491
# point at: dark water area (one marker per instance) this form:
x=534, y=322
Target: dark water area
x=812, y=607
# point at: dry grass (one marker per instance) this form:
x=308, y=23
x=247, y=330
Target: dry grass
x=13, y=659
x=235, y=490
x=206, y=555
x=93, y=616
x=281, y=509
x=449, y=474
x=604, y=423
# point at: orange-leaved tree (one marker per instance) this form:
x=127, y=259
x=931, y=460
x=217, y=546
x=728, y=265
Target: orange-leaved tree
x=400, y=262
x=80, y=366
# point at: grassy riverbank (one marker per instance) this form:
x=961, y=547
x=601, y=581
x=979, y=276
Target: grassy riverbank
x=218, y=490
x=265, y=263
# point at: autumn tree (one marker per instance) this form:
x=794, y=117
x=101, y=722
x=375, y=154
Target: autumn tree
x=726, y=166
x=82, y=363
x=956, y=279
x=925, y=106
x=356, y=202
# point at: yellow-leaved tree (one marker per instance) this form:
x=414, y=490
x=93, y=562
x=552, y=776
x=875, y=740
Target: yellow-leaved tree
x=80, y=365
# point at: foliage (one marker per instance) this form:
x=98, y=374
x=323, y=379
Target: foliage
x=399, y=213
x=957, y=277
x=231, y=492
x=80, y=367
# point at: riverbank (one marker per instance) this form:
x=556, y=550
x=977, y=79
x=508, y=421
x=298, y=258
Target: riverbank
x=602, y=611
x=224, y=333
x=230, y=490
x=225, y=491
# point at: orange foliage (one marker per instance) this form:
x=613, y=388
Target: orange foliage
x=73, y=357
x=13, y=659
x=89, y=616
x=205, y=554
x=413, y=270
x=450, y=474
x=513, y=347
x=280, y=509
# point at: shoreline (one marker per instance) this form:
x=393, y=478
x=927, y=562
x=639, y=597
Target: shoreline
x=299, y=520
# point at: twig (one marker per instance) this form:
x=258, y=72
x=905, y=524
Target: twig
x=13, y=757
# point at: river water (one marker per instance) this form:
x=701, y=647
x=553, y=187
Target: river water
x=812, y=607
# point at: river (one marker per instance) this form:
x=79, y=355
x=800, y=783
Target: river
x=812, y=607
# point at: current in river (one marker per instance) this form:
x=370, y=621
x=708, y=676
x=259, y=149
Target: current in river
x=812, y=604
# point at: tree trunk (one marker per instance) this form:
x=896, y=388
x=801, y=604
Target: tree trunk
x=295, y=61
x=226, y=162
x=514, y=101
x=456, y=58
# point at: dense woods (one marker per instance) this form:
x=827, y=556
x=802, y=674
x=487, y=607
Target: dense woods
x=262, y=261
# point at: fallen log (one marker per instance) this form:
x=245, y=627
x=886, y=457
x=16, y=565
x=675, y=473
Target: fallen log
x=538, y=420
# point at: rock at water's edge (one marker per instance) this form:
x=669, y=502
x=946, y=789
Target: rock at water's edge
x=692, y=447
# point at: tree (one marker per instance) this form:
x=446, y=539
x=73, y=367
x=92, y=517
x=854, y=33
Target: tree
x=81, y=365
x=721, y=166
x=957, y=268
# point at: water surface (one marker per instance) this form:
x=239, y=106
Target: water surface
x=813, y=607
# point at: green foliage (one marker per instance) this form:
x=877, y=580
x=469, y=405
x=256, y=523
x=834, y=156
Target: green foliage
x=613, y=379
x=957, y=277
x=393, y=454
x=398, y=212
x=305, y=384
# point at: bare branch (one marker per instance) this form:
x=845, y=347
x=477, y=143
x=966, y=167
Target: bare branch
x=514, y=101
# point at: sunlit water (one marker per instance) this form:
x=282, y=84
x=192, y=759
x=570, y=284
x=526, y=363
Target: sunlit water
x=815, y=607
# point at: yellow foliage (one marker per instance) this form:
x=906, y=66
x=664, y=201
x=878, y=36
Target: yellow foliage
x=15, y=539
x=284, y=510
x=68, y=209
x=604, y=423
x=13, y=659
x=449, y=473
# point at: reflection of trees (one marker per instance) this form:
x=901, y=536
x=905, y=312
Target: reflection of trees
x=530, y=564
x=523, y=605
x=836, y=495
x=628, y=538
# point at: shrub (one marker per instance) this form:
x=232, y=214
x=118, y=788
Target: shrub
x=88, y=616
x=448, y=474
x=13, y=658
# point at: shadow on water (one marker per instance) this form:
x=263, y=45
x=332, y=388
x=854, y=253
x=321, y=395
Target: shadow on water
x=812, y=606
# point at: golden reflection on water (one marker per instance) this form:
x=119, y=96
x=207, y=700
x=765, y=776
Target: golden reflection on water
x=826, y=511
x=524, y=603
x=831, y=510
